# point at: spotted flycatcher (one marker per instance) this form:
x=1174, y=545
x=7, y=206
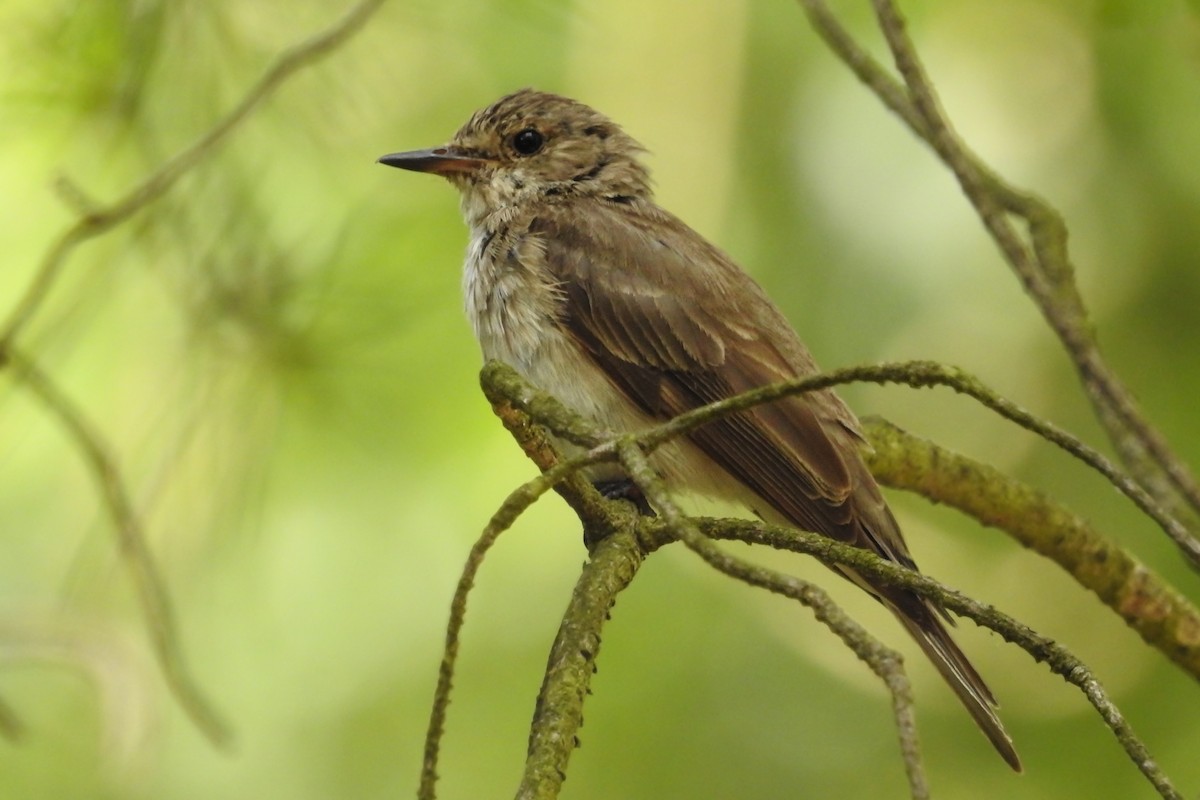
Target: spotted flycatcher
x=593, y=293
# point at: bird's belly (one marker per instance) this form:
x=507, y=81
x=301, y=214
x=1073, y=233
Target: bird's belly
x=514, y=316
x=554, y=363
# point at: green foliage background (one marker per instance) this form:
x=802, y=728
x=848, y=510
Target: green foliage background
x=276, y=355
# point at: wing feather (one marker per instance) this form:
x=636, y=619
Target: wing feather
x=670, y=348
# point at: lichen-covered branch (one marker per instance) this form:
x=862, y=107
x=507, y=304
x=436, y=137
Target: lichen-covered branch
x=509, y=392
x=883, y=661
x=1060, y=660
x=559, y=708
x=613, y=562
x=921, y=374
x=553, y=735
x=1162, y=616
x=564, y=478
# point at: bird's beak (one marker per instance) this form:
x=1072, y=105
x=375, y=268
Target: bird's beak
x=440, y=160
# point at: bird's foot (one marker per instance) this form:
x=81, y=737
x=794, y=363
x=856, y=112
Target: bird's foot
x=625, y=489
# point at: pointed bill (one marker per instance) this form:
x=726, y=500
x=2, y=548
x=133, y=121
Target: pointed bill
x=437, y=160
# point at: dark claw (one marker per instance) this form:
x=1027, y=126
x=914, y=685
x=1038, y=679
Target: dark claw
x=625, y=489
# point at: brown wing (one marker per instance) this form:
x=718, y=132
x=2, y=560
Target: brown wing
x=676, y=325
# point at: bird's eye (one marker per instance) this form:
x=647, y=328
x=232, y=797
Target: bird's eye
x=528, y=142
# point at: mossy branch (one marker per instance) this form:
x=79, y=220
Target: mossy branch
x=553, y=735
x=883, y=661
x=1162, y=616
x=559, y=710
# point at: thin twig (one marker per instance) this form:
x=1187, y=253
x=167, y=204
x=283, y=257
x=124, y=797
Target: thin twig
x=1039, y=259
x=919, y=374
x=868, y=71
x=1163, y=617
x=135, y=552
x=94, y=221
x=158, y=183
x=512, y=507
x=883, y=661
x=1060, y=660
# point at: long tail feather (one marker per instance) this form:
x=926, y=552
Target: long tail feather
x=950, y=661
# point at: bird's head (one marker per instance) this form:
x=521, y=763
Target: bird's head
x=531, y=146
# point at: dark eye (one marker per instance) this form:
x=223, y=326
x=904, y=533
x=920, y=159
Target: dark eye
x=528, y=142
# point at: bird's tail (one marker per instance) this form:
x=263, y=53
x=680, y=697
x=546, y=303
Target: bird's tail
x=931, y=634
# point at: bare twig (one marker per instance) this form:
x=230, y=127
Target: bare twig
x=135, y=552
x=674, y=526
x=94, y=221
x=920, y=374
x=1163, y=617
x=100, y=220
x=1039, y=257
x=883, y=661
x=1060, y=660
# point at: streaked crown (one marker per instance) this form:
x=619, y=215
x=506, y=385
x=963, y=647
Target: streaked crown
x=543, y=141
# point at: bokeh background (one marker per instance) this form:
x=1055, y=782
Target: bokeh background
x=276, y=355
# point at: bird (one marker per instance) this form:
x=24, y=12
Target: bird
x=578, y=280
